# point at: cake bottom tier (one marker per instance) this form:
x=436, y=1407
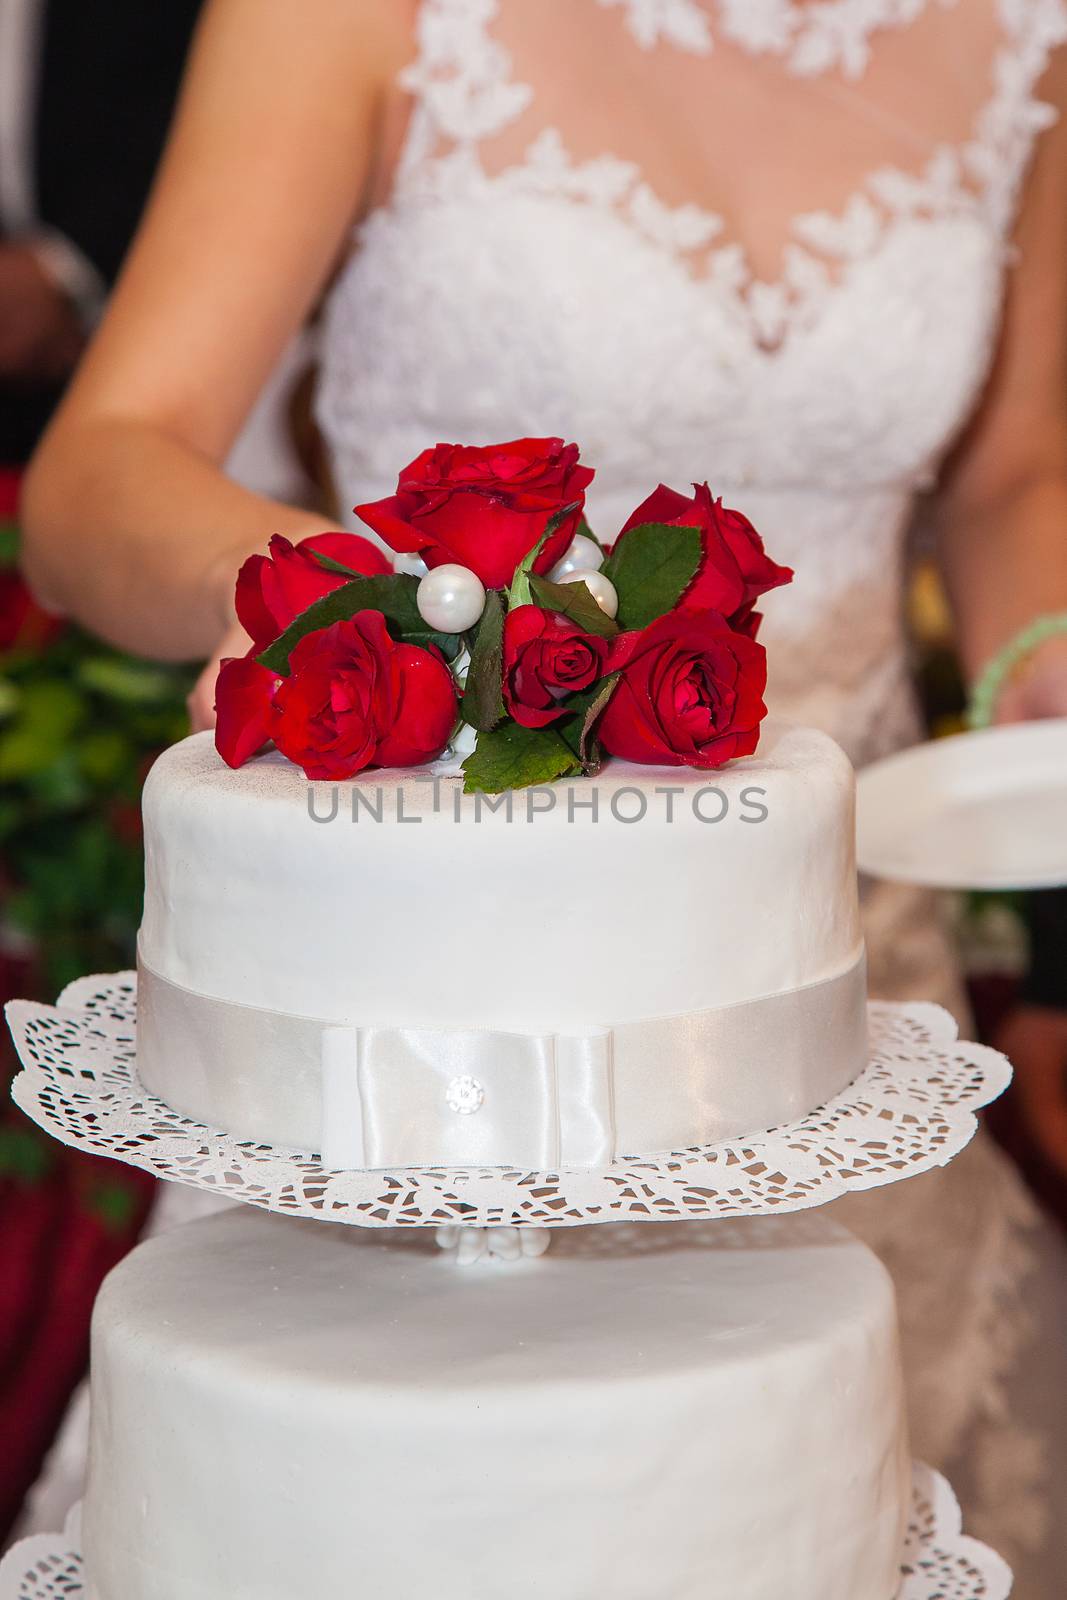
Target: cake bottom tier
x=701, y=1411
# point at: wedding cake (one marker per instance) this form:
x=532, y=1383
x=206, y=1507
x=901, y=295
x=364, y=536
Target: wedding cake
x=494, y=876
x=696, y=1410
x=599, y=948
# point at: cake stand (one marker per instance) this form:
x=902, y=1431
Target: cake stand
x=939, y=1561
x=911, y=1109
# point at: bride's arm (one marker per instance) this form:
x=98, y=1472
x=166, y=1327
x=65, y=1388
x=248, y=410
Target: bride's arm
x=1004, y=551
x=130, y=524
x=1003, y=509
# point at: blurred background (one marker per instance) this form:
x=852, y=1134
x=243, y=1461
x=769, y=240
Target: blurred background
x=80, y=723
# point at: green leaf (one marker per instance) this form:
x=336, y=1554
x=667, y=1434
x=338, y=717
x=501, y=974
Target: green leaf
x=9, y=698
x=61, y=786
x=11, y=816
x=114, y=1205
x=579, y=727
x=483, y=701
x=330, y=564
x=651, y=569
x=575, y=601
x=9, y=544
x=512, y=757
x=37, y=735
x=120, y=678
x=519, y=593
x=103, y=755
x=393, y=596
x=23, y=1155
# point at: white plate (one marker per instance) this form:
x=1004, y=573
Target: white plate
x=984, y=810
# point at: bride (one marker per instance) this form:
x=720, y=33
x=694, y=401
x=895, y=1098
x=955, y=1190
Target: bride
x=815, y=250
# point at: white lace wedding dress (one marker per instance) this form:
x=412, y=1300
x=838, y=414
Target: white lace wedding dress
x=764, y=242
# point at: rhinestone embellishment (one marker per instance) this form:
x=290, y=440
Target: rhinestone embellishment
x=465, y=1096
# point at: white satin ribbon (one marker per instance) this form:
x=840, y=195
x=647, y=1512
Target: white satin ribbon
x=391, y=1095
x=394, y=1097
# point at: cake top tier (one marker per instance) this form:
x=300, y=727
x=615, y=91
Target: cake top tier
x=507, y=632
x=555, y=959
x=633, y=893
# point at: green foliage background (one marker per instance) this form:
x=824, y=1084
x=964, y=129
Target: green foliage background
x=79, y=726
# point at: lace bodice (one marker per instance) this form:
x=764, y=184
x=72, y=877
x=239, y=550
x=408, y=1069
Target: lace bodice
x=760, y=241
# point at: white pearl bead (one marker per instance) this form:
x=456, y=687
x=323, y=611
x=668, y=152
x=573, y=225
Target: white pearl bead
x=582, y=555
x=451, y=598
x=602, y=589
x=410, y=564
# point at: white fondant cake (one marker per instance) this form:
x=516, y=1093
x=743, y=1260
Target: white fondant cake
x=588, y=909
x=699, y=1411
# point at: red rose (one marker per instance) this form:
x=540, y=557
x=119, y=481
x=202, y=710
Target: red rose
x=339, y=698
x=748, y=621
x=690, y=694
x=273, y=590
x=546, y=658
x=353, y=697
x=484, y=508
x=244, y=703
x=426, y=709
x=734, y=570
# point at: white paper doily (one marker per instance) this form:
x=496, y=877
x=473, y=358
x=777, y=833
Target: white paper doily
x=939, y=1562
x=47, y=1566
x=911, y=1109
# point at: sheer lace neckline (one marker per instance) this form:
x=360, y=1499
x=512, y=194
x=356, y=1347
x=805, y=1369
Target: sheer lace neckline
x=466, y=92
x=814, y=36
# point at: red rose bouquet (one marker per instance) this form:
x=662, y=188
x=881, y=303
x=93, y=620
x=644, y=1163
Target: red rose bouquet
x=508, y=627
x=486, y=508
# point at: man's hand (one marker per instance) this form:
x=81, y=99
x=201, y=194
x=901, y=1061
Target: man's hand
x=40, y=335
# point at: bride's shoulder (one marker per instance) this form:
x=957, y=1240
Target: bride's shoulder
x=369, y=40
x=382, y=27
x=387, y=28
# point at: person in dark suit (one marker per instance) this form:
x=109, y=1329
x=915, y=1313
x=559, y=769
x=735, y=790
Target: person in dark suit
x=86, y=96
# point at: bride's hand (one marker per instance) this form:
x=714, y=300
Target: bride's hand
x=201, y=702
x=1040, y=688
